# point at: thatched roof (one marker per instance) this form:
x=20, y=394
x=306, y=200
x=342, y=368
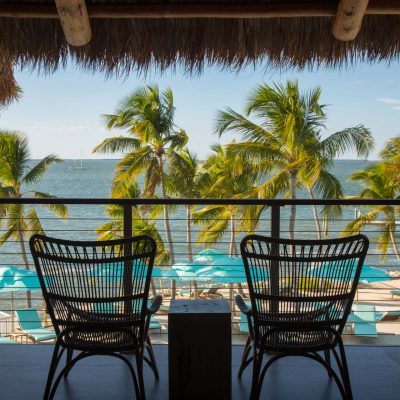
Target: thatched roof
x=121, y=45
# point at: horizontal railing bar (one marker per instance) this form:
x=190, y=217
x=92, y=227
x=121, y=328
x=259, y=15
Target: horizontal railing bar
x=181, y=201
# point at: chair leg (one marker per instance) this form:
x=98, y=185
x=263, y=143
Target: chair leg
x=139, y=368
x=344, y=371
x=246, y=351
x=70, y=353
x=52, y=370
x=153, y=363
x=257, y=362
x=327, y=354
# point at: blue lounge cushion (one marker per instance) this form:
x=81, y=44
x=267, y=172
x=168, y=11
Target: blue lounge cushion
x=28, y=319
x=41, y=334
x=364, y=323
x=154, y=324
x=30, y=323
x=5, y=340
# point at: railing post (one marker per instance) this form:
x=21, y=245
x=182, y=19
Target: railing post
x=275, y=232
x=128, y=288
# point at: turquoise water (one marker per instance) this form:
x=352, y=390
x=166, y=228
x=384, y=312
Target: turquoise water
x=94, y=182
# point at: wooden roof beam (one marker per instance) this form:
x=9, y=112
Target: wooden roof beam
x=75, y=21
x=285, y=9
x=348, y=20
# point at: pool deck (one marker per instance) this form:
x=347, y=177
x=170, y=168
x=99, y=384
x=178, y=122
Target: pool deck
x=374, y=371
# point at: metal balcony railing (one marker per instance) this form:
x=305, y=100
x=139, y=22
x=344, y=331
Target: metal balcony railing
x=222, y=231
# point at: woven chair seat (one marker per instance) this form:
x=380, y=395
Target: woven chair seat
x=100, y=341
x=295, y=341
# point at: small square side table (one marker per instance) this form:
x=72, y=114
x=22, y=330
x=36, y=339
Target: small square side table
x=199, y=350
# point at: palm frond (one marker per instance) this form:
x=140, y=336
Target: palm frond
x=356, y=225
x=358, y=138
x=231, y=121
x=117, y=144
x=37, y=172
x=35, y=227
x=61, y=210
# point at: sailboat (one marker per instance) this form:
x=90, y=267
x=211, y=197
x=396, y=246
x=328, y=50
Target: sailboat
x=77, y=165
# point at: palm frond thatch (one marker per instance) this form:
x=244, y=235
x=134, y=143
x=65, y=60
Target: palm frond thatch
x=117, y=44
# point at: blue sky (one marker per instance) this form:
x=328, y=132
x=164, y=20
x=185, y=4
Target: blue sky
x=61, y=113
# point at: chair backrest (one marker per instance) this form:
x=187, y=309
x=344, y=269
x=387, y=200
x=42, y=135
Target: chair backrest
x=28, y=319
x=95, y=284
x=302, y=284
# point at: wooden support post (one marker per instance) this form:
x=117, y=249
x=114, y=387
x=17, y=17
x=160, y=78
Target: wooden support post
x=348, y=19
x=199, y=350
x=75, y=21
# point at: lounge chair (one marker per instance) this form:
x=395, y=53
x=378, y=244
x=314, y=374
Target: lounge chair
x=363, y=320
x=6, y=340
x=294, y=322
x=395, y=292
x=30, y=323
x=211, y=293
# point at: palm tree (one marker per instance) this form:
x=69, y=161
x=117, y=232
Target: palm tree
x=287, y=147
x=183, y=181
x=114, y=228
x=378, y=185
x=224, y=176
x=148, y=117
x=15, y=173
x=391, y=154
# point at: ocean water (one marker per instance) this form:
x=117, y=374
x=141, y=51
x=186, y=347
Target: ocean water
x=94, y=182
x=95, y=179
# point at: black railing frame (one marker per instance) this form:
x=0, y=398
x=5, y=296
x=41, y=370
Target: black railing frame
x=274, y=204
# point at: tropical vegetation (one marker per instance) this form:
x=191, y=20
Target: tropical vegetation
x=143, y=221
x=225, y=175
x=147, y=116
x=380, y=182
x=286, y=145
x=16, y=172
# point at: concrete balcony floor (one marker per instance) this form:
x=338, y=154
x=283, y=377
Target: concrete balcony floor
x=374, y=372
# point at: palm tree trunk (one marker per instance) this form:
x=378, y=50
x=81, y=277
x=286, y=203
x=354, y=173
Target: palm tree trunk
x=167, y=226
x=394, y=244
x=315, y=212
x=26, y=262
x=292, y=189
x=232, y=245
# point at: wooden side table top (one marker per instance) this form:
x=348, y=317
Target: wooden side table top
x=199, y=307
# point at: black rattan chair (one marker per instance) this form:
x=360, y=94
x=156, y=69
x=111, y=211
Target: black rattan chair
x=297, y=307
x=97, y=294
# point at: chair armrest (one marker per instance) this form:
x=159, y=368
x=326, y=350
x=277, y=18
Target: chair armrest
x=242, y=305
x=155, y=305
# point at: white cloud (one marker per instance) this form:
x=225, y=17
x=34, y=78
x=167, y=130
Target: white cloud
x=389, y=100
x=48, y=128
x=395, y=103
